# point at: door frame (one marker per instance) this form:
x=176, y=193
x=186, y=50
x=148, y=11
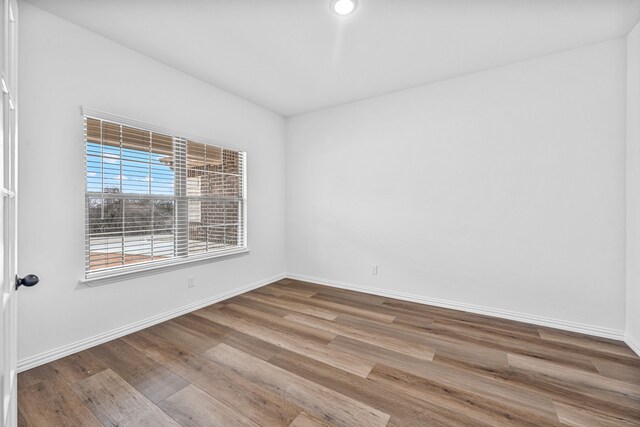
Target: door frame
x=8, y=187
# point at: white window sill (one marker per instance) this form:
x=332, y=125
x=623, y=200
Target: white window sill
x=134, y=271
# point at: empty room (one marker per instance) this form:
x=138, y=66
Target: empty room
x=315, y=213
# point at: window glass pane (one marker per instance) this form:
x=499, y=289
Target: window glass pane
x=154, y=197
x=162, y=175
x=231, y=186
x=129, y=231
x=231, y=161
x=163, y=229
x=104, y=228
x=135, y=177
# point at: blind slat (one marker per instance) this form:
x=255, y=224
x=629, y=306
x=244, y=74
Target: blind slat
x=153, y=198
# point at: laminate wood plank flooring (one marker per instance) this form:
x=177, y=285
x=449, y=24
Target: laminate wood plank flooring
x=305, y=355
x=114, y=402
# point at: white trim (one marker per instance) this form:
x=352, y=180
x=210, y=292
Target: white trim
x=57, y=353
x=51, y=355
x=632, y=343
x=598, y=331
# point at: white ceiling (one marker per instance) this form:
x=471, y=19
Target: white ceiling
x=294, y=56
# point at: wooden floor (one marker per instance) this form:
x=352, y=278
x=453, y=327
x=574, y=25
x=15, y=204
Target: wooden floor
x=298, y=354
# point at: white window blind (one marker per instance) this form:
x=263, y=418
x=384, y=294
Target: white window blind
x=154, y=199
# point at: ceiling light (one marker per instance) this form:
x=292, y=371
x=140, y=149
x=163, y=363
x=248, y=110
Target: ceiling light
x=343, y=7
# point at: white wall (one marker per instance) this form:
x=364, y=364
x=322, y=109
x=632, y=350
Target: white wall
x=633, y=189
x=503, y=189
x=62, y=67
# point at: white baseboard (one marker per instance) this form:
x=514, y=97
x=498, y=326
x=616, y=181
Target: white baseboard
x=633, y=344
x=598, y=331
x=57, y=353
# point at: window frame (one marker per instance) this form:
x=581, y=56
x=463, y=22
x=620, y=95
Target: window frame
x=157, y=266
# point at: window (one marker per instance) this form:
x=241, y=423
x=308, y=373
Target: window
x=154, y=198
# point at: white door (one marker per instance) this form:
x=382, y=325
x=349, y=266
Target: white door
x=8, y=215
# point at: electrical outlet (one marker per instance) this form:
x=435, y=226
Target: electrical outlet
x=374, y=270
x=191, y=281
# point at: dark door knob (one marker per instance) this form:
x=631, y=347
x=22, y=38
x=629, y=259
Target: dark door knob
x=28, y=281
